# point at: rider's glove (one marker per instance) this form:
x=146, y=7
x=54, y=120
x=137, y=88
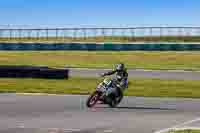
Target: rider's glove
x=118, y=85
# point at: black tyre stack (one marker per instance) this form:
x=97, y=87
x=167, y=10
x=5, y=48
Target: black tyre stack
x=33, y=72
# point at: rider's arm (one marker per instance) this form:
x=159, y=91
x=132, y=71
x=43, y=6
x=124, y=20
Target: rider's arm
x=126, y=75
x=109, y=73
x=124, y=81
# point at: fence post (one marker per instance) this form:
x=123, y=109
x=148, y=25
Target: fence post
x=20, y=34
x=65, y=34
x=103, y=34
x=74, y=34
x=1, y=36
x=29, y=34
x=113, y=34
x=133, y=34
x=151, y=34
x=180, y=33
x=10, y=31
x=47, y=34
x=1, y=33
x=84, y=34
x=123, y=36
x=161, y=33
x=57, y=39
x=38, y=34
x=95, y=35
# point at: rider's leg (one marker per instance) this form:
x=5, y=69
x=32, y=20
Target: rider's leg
x=110, y=90
x=122, y=87
x=118, y=92
x=109, y=99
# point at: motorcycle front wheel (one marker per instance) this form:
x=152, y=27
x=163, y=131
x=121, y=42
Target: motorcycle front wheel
x=92, y=100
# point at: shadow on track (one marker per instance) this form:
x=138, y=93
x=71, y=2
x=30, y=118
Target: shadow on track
x=145, y=108
x=139, y=108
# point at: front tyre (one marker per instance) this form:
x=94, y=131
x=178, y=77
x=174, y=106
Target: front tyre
x=92, y=100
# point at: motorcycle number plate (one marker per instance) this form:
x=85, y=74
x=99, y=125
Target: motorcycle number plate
x=107, y=82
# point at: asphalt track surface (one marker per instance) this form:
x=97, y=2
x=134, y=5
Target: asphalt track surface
x=139, y=73
x=64, y=114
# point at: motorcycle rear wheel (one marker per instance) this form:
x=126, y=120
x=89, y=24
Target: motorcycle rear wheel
x=115, y=102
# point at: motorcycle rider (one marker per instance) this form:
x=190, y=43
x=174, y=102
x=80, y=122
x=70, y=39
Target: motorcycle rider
x=120, y=72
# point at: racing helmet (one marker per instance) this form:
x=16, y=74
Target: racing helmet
x=120, y=67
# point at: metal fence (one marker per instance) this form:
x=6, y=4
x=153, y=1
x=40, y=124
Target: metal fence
x=136, y=34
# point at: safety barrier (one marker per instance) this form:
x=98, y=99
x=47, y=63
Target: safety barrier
x=33, y=72
x=99, y=34
x=101, y=47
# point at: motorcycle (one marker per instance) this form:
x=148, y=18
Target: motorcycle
x=101, y=94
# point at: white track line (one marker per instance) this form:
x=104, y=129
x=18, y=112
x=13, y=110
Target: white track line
x=176, y=126
x=137, y=69
x=72, y=130
x=108, y=131
x=53, y=130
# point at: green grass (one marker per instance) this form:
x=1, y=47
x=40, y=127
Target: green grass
x=185, y=131
x=137, y=87
x=144, y=60
x=124, y=39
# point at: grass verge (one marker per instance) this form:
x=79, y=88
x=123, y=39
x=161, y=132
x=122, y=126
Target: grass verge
x=185, y=131
x=137, y=87
x=137, y=59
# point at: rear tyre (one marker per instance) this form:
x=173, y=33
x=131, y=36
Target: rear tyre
x=119, y=99
x=113, y=102
x=92, y=100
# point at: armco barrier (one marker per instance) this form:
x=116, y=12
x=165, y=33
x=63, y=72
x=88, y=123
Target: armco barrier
x=100, y=47
x=33, y=72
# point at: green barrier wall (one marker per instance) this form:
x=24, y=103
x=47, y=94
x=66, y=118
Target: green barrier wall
x=100, y=47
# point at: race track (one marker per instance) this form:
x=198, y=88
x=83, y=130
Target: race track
x=139, y=73
x=64, y=114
